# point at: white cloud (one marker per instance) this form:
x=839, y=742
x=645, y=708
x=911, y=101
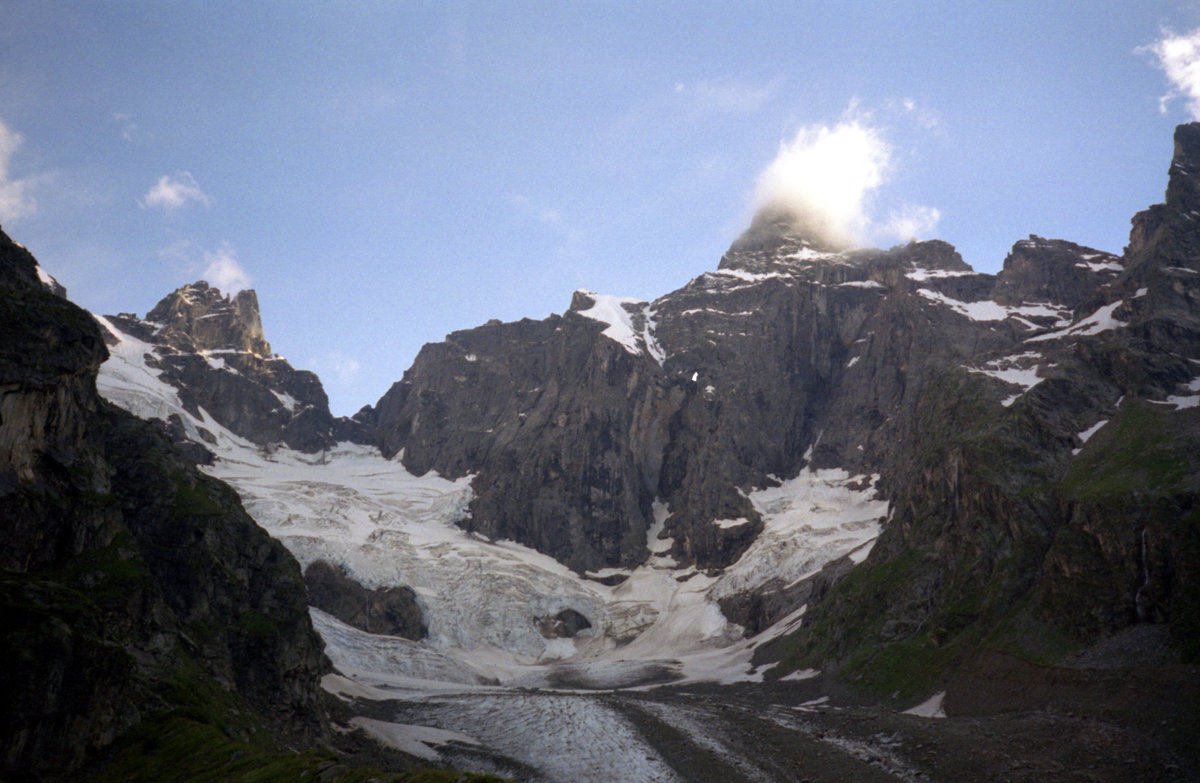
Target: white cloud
x=16, y=201
x=223, y=271
x=729, y=96
x=924, y=116
x=823, y=177
x=1179, y=58
x=172, y=193
x=337, y=364
x=129, y=128
x=826, y=177
x=910, y=222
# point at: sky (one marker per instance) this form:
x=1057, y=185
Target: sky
x=384, y=173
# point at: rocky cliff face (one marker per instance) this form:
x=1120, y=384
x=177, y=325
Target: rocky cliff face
x=211, y=348
x=130, y=581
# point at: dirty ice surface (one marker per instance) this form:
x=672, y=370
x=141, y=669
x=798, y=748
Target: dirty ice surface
x=483, y=654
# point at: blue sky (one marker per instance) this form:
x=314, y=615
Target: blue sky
x=383, y=173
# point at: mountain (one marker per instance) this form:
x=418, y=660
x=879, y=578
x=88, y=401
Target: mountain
x=1033, y=432
x=833, y=473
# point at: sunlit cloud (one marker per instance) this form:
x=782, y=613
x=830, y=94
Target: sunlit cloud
x=172, y=193
x=223, y=271
x=16, y=199
x=822, y=177
x=728, y=96
x=1179, y=58
x=825, y=178
x=910, y=222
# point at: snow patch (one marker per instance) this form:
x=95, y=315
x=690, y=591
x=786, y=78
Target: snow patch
x=615, y=311
x=418, y=741
x=44, y=276
x=930, y=708
x=1018, y=370
x=987, y=310
x=1104, y=266
x=920, y=275
x=800, y=674
x=287, y=400
x=1100, y=321
x=1088, y=433
x=808, y=254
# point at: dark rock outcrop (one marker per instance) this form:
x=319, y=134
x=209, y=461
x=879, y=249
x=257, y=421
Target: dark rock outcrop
x=565, y=624
x=129, y=578
x=386, y=610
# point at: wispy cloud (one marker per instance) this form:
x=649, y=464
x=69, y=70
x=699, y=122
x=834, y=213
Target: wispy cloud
x=909, y=222
x=174, y=192
x=917, y=111
x=129, y=127
x=223, y=271
x=1179, y=57
x=552, y=218
x=825, y=178
x=728, y=96
x=16, y=199
x=337, y=365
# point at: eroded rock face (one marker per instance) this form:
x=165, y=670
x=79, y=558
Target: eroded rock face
x=387, y=610
x=125, y=569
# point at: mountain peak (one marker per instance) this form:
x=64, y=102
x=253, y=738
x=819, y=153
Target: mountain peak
x=201, y=318
x=774, y=226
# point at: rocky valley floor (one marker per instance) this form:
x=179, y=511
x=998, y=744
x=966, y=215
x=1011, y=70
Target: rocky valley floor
x=794, y=732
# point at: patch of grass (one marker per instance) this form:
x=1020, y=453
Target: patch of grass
x=1140, y=455
x=195, y=499
x=177, y=747
x=1025, y=635
x=846, y=613
x=258, y=624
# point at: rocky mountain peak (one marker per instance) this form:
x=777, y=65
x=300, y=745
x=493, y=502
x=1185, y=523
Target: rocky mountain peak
x=1169, y=229
x=197, y=317
x=1053, y=270
x=776, y=231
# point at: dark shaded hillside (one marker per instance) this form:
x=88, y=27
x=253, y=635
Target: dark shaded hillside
x=128, y=576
